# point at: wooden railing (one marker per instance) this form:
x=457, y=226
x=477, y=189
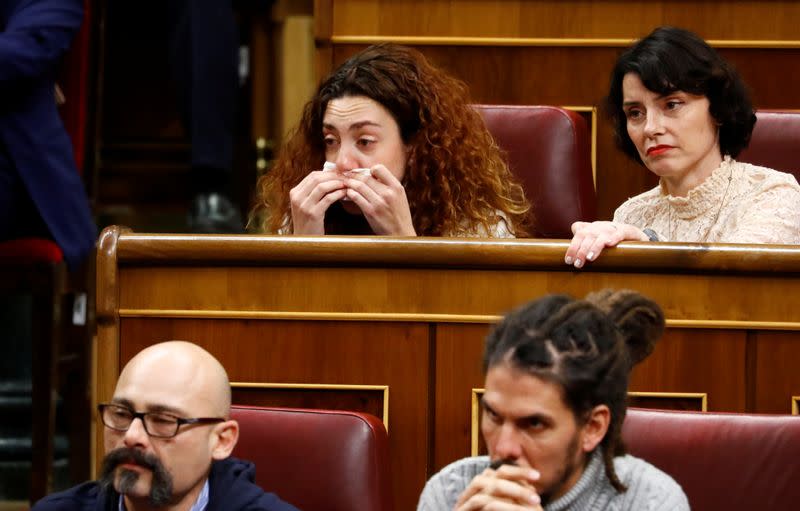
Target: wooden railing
x=395, y=326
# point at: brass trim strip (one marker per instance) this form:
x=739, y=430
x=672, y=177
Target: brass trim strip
x=593, y=134
x=422, y=317
x=795, y=405
x=474, y=418
x=733, y=324
x=322, y=386
x=702, y=396
x=611, y=42
x=310, y=316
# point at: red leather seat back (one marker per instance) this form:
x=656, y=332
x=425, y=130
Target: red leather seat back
x=549, y=150
x=723, y=461
x=317, y=460
x=775, y=142
x=74, y=82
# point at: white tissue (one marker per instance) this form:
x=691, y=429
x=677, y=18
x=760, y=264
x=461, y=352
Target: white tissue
x=329, y=165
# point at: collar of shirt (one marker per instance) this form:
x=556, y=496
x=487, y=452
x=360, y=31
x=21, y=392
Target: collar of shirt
x=199, y=505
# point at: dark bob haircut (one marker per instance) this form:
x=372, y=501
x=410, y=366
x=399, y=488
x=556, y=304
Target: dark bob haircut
x=672, y=59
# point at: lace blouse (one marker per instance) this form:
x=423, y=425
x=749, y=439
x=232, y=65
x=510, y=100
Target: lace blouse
x=738, y=203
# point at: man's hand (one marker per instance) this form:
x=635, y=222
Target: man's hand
x=590, y=238
x=311, y=198
x=509, y=488
x=383, y=201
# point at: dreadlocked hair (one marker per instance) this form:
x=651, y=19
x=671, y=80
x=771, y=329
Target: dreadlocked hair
x=587, y=346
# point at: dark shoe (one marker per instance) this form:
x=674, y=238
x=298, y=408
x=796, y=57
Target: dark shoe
x=214, y=213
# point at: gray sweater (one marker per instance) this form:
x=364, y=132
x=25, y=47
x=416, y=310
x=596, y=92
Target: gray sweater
x=649, y=489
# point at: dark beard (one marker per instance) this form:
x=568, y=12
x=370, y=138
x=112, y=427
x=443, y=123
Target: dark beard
x=569, y=468
x=160, y=486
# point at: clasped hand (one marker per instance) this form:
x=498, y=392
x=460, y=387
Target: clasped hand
x=509, y=488
x=380, y=196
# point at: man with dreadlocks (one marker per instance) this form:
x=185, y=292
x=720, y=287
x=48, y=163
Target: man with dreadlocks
x=555, y=397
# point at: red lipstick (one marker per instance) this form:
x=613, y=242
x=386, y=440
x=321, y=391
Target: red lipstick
x=658, y=149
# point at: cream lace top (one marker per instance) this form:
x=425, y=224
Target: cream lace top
x=760, y=206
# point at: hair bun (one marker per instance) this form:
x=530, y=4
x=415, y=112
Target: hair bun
x=638, y=318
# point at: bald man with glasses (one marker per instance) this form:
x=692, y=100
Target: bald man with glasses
x=168, y=439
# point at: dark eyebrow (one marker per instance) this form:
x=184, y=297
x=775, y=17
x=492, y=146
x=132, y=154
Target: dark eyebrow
x=354, y=126
x=658, y=98
x=539, y=417
x=150, y=409
x=166, y=409
x=122, y=402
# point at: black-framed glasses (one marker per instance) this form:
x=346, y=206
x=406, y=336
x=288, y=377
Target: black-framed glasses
x=156, y=424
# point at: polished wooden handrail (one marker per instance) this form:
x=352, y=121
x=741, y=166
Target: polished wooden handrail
x=261, y=250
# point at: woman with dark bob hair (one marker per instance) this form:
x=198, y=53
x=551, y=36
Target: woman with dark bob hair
x=684, y=113
x=389, y=145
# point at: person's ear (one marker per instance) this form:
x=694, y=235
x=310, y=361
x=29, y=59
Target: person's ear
x=595, y=428
x=224, y=439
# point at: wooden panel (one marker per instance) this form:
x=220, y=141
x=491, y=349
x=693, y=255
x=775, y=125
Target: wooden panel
x=316, y=396
x=459, y=353
x=697, y=361
x=714, y=19
x=392, y=294
x=320, y=352
x=777, y=375
x=695, y=402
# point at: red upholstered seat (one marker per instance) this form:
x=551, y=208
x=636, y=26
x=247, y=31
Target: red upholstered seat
x=317, y=460
x=775, y=142
x=549, y=150
x=723, y=461
x=30, y=250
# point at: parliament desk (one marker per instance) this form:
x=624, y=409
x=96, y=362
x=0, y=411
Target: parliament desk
x=395, y=327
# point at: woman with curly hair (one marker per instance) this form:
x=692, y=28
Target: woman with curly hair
x=683, y=112
x=389, y=145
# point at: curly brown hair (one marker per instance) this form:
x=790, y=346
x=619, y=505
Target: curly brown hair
x=456, y=180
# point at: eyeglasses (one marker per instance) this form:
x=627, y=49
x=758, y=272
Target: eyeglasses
x=156, y=424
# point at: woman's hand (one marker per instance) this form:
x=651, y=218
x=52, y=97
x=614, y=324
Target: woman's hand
x=507, y=488
x=383, y=201
x=590, y=238
x=312, y=197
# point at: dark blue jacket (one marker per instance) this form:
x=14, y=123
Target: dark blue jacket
x=231, y=488
x=35, y=35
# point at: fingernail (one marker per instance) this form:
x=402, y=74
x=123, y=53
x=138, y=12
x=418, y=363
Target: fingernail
x=578, y=263
x=568, y=260
x=534, y=475
x=535, y=500
x=590, y=256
